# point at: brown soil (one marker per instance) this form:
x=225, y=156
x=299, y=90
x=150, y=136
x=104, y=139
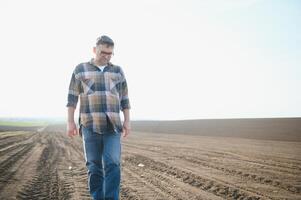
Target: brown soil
x=35, y=165
x=19, y=128
x=282, y=129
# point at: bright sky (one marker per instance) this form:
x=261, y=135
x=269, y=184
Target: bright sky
x=182, y=59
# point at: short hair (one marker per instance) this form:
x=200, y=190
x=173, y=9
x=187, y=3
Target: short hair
x=104, y=40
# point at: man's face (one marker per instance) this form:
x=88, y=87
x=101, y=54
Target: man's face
x=103, y=54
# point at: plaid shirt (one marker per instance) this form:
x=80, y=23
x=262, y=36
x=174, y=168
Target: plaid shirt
x=102, y=95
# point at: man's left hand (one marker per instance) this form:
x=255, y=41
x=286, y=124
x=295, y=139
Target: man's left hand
x=126, y=129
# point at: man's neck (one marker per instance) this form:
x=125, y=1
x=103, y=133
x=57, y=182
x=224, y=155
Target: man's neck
x=99, y=63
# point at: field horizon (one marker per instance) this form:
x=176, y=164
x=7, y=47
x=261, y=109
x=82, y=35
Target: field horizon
x=281, y=129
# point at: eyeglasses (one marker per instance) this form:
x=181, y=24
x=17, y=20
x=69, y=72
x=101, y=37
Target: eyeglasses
x=106, y=53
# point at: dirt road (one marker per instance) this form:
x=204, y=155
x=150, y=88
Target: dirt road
x=36, y=165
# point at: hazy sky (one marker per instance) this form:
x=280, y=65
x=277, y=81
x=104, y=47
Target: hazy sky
x=182, y=59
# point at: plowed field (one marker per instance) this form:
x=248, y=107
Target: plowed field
x=36, y=165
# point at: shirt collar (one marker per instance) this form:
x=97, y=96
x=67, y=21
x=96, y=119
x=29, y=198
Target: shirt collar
x=91, y=62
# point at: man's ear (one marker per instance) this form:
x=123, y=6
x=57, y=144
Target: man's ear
x=94, y=50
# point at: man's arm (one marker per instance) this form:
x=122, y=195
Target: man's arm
x=71, y=126
x=125, y=105
x=126, y=124
x=74, y=91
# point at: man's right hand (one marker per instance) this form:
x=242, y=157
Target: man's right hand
x=72, y=129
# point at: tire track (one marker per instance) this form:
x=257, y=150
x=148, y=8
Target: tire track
x=294, y=168
x=141, y=189
x=244, y=175
x=217, y=188
x=6, y=165
x=15, y=144
x=168, y=185
x=128, y=193
x=257, y=176
x=46, y=184
x=76, y=176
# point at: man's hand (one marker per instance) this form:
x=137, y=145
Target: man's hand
x=71, y=129
x=126, y=129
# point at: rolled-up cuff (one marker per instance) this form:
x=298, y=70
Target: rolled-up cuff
x=72, y=100
x=125, y=104
x=71, y=104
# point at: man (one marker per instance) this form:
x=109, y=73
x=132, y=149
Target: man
x=103, y=92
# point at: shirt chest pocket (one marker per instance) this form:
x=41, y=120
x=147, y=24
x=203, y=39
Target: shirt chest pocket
x=114, y=80
x=88, y=84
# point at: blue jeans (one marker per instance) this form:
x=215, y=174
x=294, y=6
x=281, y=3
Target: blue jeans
x=102, y=154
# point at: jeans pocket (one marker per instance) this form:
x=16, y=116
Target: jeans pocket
x=88, y=134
